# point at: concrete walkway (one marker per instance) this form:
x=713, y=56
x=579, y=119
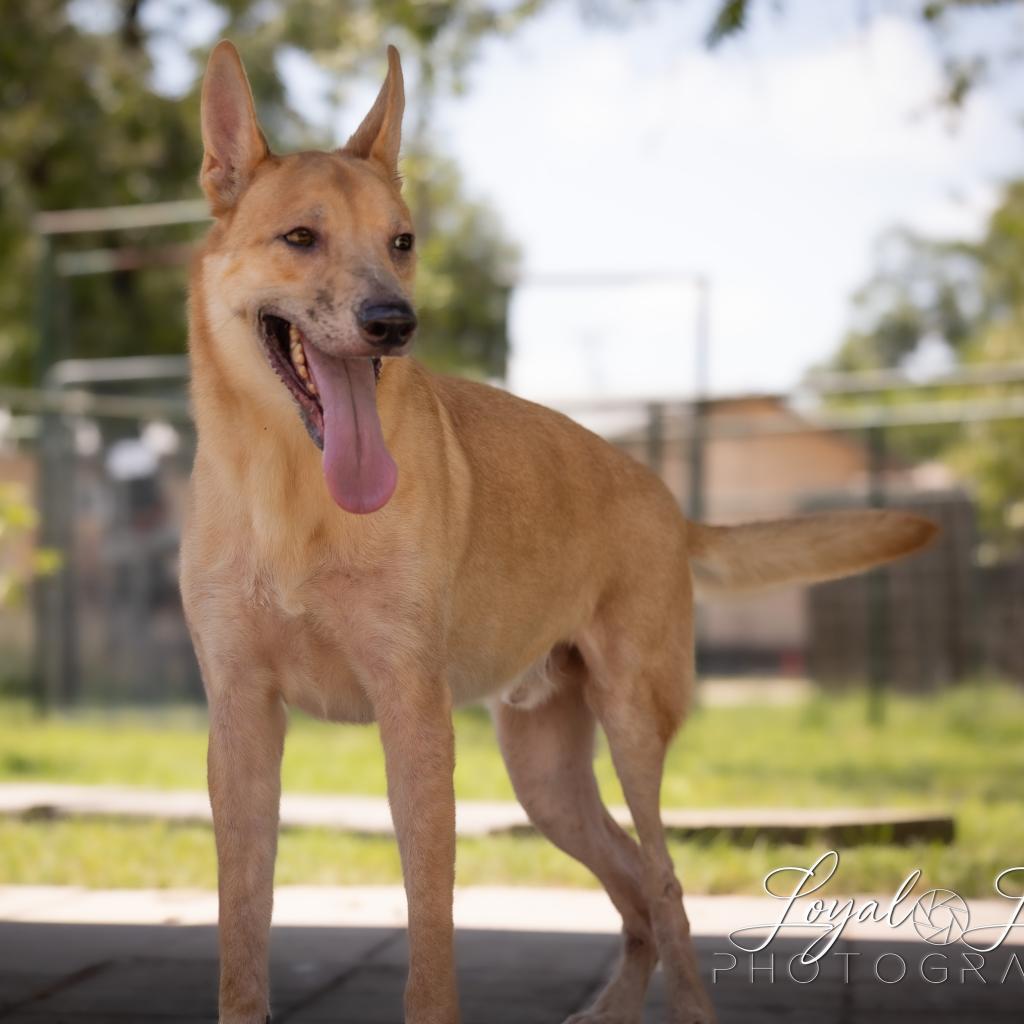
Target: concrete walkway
x=371, y=815
x=525, y=957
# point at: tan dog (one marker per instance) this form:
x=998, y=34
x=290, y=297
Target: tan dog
x=509, y=554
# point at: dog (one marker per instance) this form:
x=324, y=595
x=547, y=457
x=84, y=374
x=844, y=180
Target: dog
x=370, y=542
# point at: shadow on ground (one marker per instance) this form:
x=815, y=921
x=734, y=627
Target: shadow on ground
x=111, y=974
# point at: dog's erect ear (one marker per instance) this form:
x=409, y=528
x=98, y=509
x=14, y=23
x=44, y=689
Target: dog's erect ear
x=232, y=141
x=380, y=135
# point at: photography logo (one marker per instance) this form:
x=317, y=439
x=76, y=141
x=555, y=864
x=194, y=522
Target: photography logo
x=941, y=917
x=951, y=950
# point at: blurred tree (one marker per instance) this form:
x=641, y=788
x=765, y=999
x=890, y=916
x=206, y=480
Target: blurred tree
x=964, y=69
x=466, y=271
x=81, y=125
x=921, y=290
x=966, y=299
x=968, y=296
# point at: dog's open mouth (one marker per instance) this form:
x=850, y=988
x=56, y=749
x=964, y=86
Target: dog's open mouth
x=286, y=349
x=337, y=400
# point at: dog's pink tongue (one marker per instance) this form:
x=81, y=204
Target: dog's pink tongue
x=360, y=473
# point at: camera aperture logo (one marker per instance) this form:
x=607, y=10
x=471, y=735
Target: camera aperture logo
x=941, y=916
x=954, y=946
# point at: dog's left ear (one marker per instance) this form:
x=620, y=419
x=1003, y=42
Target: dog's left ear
x=233, y=143
x=380, y=135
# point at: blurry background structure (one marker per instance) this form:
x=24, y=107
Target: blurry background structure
x=683, y=196
x=111, y=472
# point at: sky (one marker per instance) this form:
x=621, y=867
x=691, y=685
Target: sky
x=770, y=166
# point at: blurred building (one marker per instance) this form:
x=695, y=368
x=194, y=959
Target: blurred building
x=762, y=459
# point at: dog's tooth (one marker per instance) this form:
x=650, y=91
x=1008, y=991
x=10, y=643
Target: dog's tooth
x=293, y=334
x=311, y=385
x=298, y=355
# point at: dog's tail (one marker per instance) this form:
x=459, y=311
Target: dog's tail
x=807, y=549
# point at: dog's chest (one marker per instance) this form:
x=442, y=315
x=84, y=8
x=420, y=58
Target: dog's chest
x=322, y=681
x=340, y=629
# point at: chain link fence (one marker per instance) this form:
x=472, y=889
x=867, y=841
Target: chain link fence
x=107, y=461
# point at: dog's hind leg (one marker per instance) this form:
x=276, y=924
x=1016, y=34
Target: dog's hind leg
x=549, y=754
x=639, y=711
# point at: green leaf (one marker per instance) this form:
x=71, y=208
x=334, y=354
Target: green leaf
x=730, y=19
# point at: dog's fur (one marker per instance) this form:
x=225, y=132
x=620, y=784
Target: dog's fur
x=521, y=559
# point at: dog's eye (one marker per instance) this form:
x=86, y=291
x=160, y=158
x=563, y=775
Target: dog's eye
x=402, y=242
x=301, y=237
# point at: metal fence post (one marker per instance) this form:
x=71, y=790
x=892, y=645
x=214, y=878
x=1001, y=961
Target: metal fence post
x=877, y=589
x=701, y=386
x=696, y=474
x=656, y=438
x=44, y=588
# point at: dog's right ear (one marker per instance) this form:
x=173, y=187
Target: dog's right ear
x=232, y=141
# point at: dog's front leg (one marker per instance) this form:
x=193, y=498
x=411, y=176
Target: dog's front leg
x=247, y=725
x=419, y=749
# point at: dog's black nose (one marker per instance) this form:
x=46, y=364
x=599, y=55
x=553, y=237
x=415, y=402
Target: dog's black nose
x=386, y=324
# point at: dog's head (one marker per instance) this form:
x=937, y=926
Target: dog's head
x=314, y=254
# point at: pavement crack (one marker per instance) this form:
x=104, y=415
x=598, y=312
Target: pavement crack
x=55, y=987
x=338, y=980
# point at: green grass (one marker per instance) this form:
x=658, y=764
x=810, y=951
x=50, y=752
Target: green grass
x=962, y=751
